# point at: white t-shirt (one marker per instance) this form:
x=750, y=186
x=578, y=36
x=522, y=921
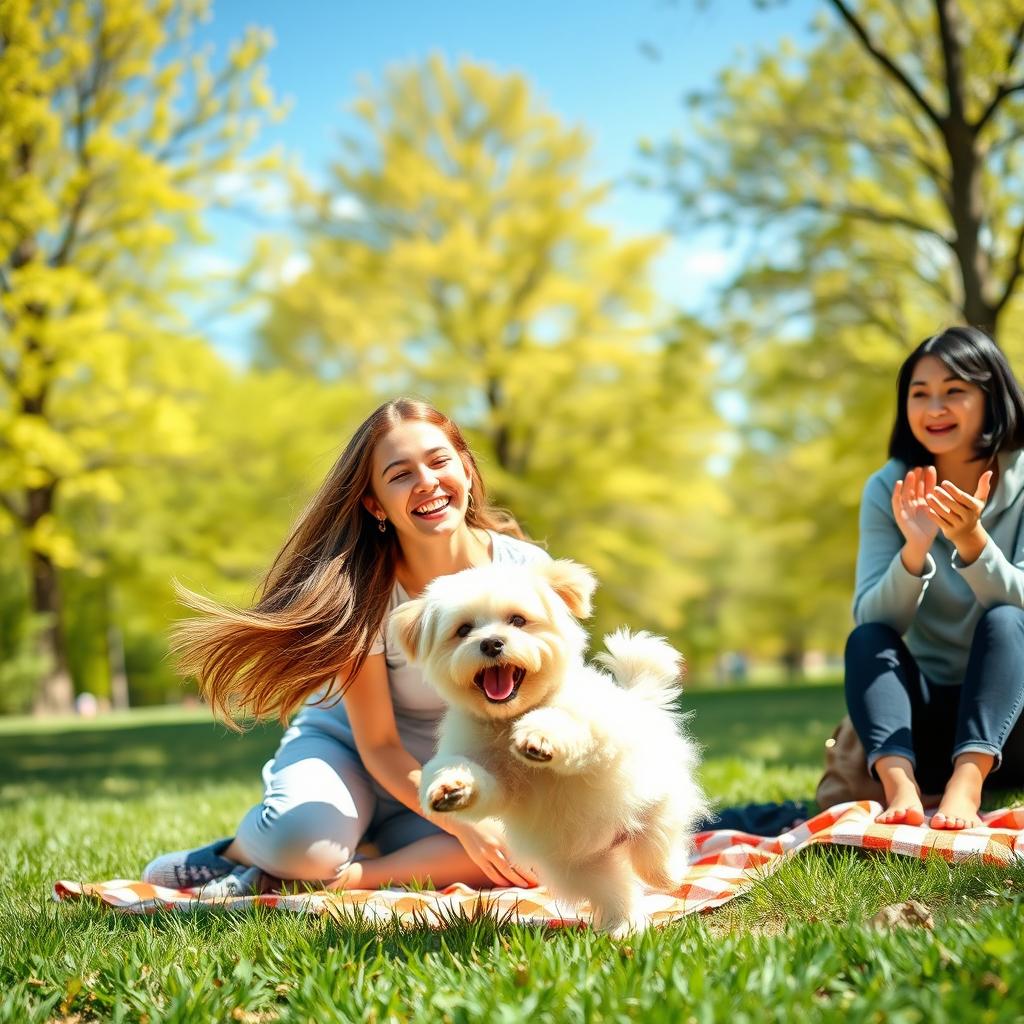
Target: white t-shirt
x=418, y=706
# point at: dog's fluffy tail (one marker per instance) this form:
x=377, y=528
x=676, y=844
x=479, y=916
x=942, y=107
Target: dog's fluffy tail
x=646, y=664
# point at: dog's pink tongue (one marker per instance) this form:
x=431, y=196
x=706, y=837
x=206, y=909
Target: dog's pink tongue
x=498, y=681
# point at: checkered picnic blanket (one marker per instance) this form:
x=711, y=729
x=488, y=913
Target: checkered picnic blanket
x=724, y=864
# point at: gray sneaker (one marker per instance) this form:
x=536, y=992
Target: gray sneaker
x=242, y=881
x=191, y=869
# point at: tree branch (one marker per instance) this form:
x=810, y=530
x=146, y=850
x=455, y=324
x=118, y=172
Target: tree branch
x=1016, y=268
x=952, y=62
x=1004, y=88
x=1001, y=93
x=866, y=213
x=886, y=62
x=1014, y=51
x=82, y=94
x=12, y=509
x=891, y=147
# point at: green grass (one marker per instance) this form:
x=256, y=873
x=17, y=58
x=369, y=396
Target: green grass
x=96, y=800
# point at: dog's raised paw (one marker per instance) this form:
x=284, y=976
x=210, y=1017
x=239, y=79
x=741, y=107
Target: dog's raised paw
x=452, y=793
x=534, y=746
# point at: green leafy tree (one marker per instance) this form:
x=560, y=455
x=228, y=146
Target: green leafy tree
x=215, y=521
x=875, y=178
x=458, y=252
x=113, y=132
x=897, y=130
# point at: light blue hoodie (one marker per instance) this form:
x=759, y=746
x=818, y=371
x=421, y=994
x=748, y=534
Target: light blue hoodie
x=937, y=611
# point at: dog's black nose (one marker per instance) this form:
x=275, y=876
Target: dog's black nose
x=492, y=646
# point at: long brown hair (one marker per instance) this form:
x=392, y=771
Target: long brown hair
x=324, y=597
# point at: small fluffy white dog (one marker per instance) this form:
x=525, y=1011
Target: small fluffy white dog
x=591, y=775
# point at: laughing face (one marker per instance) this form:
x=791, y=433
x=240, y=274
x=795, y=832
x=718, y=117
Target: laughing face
x=496, y=640
x=946, y=414
x=419, y=482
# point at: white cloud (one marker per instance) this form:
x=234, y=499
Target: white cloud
x=208, y=263
x=347, y=208
x=689, y=273
x=271, y=194
x=709, y=263
x=294, y=266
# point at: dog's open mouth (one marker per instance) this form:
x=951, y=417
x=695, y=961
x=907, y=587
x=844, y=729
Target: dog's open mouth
x=500, y=683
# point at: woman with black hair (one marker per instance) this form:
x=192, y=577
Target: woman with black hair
x=935, y=667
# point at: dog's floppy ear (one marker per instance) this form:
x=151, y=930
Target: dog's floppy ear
x=405, y=627
x=573, y=583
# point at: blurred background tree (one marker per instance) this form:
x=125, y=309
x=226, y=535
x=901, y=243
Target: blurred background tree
x=457, y=249
x=457, y=253
x=113, y=130
x=874, y=178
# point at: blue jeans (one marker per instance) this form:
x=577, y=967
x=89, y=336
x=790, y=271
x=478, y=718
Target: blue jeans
x=896, y=711
x=320, y=803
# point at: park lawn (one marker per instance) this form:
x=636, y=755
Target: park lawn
x=96, y=800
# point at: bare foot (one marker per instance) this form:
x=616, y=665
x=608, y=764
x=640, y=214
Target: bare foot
x=955, y=817
x=962, y=798
x=352, y=876
x=904, y=809
x=902, y=796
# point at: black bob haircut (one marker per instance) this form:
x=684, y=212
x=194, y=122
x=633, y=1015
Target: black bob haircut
x=971, y=355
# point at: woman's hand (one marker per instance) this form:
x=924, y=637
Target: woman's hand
x=913, y=516
x=484, y=842
x=958, y=515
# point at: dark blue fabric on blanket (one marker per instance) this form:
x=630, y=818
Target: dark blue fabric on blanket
x=758, y=819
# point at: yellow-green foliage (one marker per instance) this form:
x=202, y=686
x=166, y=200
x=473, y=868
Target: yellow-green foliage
x=840, y=180
x=113, y=131
x=459, y=253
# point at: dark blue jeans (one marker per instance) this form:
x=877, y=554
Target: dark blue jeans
x=896, y=711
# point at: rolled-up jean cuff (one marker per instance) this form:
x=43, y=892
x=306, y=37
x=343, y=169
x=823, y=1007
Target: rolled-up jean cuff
x=890, y=752
x=973, y=747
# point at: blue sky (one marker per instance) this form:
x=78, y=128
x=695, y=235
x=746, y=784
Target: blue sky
x=617, y=68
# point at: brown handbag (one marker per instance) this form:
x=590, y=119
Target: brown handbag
x=846, y=770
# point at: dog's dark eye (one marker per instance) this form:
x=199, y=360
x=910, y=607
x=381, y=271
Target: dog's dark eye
x=517, y=620
x=465, y=629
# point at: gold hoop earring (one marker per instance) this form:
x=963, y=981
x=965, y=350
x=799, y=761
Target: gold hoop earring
x=382, y=524
x=469, y=501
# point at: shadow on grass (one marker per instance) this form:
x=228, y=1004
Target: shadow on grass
x=785, y=726
x=132, y=760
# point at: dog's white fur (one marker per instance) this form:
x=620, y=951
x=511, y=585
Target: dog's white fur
x=589, y=771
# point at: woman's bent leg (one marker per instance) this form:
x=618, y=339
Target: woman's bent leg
x=991, y=699
x=882, y=685
x=992, y=694
x=318, y=804
x=433, y=861
x=884, y=697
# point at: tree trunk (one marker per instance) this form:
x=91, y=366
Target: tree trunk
x=55, y=693
x=967, y=209
x=501, y=438
x=966, y=199
x=115, y=657
x=792, y=659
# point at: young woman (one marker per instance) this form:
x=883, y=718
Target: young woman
x=935, y=667
x=403, y=504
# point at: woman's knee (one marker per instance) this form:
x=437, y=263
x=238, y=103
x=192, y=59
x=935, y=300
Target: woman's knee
x=1003, y=621
x=309, y=841
x=870, y=638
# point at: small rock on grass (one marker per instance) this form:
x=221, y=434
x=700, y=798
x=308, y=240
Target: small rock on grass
x=904, y=915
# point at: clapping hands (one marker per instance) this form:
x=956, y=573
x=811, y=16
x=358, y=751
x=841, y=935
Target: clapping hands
x=911, y=509
x=955, y=512
x=922, y=508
